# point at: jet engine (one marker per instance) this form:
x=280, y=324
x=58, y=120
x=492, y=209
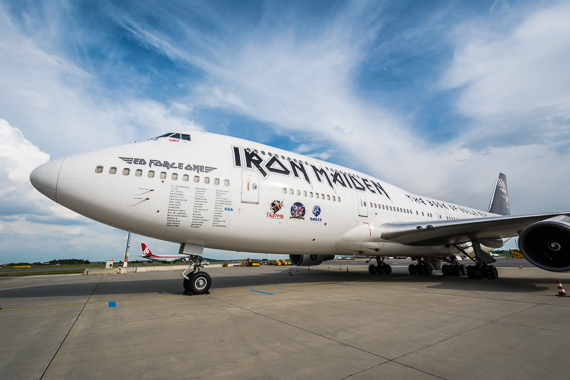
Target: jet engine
x=546, y=244
x=309, y=260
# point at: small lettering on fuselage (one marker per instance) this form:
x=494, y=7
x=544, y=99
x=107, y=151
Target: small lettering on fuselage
x=168, y=164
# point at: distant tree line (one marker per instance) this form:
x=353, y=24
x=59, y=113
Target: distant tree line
x=52, y=262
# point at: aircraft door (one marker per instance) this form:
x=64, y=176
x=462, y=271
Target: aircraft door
x=362, y=205
x=249, y=187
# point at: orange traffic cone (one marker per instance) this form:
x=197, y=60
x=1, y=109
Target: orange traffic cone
x=561, y=291
x=329, y=267
x=290, y=273
x=520, y=266
x=340, y=268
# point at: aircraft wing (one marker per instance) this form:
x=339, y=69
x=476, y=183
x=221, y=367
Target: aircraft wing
x=488, y=231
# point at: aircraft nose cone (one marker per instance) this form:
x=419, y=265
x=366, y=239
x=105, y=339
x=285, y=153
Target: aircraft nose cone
x=45, y=177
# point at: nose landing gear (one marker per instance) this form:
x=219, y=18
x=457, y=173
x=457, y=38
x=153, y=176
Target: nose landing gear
x=196, y=281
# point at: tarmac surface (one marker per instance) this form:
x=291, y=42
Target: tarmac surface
x=261, y=323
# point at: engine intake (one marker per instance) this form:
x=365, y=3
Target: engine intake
x=308, y=260
x=546, y=244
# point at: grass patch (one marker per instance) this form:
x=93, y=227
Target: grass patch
x=70, y=271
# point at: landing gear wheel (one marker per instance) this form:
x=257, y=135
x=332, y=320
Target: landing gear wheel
x=372, y=269
x=412, y=269
x=380, y=269
x=492, y=272
x=186, y=286
x=462, y=270
x=387, y=269
x=428, y=270
x=445, y=270
x=420, y=269
x=199, y=283
x=471, y=272
x=455, y=270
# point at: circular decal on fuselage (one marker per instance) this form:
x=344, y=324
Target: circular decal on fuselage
x=297, y=211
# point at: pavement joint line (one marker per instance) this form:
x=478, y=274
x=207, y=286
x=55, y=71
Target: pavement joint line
x=32, y=286
x=300, y=328
x=71, y=328
x=459, y=334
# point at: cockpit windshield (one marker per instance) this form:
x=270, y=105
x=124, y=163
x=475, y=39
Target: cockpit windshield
x=173, y=136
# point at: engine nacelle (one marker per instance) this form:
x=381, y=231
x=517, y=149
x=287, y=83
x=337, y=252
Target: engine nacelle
x=546, y=244
x=309, y=260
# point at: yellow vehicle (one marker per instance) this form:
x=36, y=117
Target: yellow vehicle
x=516, y=253
x=249, y=263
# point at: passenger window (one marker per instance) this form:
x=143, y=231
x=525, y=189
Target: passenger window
x=216, y=181
x=138, y=172
x=226, y=182
x=364, y=203
x=162, y=175
x=339, y=199
x=151, y=174
x=310, y=194
x=196, y=178
x=126, y=171
x=185, y=177
x=284, y=191
x=206, y=180
x=291, y=191
x=99, y=169
x=298, y=192
x=304, y=193
x=174, y=176
x=328, y=197
x=317, y=195
x=112, y=170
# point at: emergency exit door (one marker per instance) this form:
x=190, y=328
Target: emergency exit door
x=249, y=187
x=362, y=205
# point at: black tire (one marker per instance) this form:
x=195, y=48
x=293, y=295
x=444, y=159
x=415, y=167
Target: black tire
x=471, y=272
x=380, y=269
x=412, y=269
x=199, y=283
x=482, y=272
x=372, y=269
x=455, y=270
x=387, y=269
x=445, y=269
x=186, y=284
x=462, y=270
x=428, y=269
x=420, y=269
x=493, y=273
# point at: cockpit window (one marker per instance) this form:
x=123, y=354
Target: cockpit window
x=172, y=135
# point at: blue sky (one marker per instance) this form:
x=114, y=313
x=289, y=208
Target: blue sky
x=436, y=97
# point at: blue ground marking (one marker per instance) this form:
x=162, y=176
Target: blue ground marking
x=112, y=304
x=342, y=284
x=281, y=285
x=257, y=291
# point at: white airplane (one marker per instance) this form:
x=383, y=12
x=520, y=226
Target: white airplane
x=148, y=255
x=204, y=190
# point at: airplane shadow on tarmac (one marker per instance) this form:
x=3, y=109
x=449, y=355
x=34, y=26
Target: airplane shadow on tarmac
x=124, y=285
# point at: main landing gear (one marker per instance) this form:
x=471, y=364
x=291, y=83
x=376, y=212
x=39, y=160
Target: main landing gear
x=483, y=271
x=195, y=281
x=381, y=268
x=421, y=268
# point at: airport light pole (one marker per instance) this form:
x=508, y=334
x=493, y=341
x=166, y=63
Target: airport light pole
x=126, y=260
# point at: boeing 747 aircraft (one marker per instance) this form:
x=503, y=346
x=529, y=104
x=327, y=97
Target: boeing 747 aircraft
x=203, y=190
